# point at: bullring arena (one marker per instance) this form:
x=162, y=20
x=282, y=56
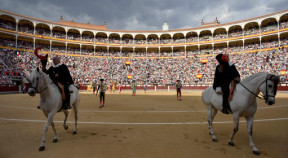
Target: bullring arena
x=152, y=124
x=147, y=125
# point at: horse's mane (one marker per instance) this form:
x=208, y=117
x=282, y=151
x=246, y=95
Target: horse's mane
x=45, y=77
x=253, y=76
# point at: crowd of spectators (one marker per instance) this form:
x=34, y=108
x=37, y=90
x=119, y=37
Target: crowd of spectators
x=88, y=38
x=270, y=44
x=235, y=33
x=269, y=28
x=7, y=42
x=252, y=31
x=155, y=70
x=283, y=25
x=205, y=38
x=220, y=36
x=7, y=25
x=26, y=28
x=252, y=46
x=58, y=34
x=9, y=68
x=73, y=36
x=152, y=70
x=192, y=39
x=25, y=44
x=42, y=32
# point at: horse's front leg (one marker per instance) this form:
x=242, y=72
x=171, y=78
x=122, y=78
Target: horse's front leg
x=76, y=119
x=50, y=119
x=66, y=112
x=211, y=114
x=249, y=121
x=55, y=138
x=235, y=129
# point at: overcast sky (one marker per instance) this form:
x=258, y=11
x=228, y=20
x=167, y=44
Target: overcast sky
x=144, y=14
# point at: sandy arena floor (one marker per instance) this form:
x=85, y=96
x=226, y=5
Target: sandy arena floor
x=152, y=125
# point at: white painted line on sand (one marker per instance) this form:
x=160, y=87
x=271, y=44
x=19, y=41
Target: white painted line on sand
x=143, y=123
x=141, y=111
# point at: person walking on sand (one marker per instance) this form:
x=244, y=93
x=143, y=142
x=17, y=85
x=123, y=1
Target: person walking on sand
x=178, y=89
x=133, y=85
x=102, y=87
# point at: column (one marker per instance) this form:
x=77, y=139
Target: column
x=146, y=52
x=16, y=44
x=50, y=41
x=243, y=45
x=172, y=51
x=228, y=47
x=159, y=52
x=260, y=41
x=243, y=35
x=80, y=49
x=34, y=32
x=34, y=43
x=185, y=51
x=66, y=48
x=278, y=28
x=260, y=37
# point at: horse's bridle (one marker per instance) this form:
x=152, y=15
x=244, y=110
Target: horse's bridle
x=269, y=77
x=36, y=87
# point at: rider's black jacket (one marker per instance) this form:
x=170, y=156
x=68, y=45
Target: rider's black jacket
x=62, y=70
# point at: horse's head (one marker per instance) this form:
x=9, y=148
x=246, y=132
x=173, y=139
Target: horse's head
x=269, y=88
x=34, y=82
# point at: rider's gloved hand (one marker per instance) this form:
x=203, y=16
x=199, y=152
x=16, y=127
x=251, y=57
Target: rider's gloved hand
x=44, y=61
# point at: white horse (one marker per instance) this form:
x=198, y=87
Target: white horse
x=51, y=101
x=244, y=102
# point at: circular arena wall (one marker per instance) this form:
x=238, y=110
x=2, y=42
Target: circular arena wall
x=88, y=39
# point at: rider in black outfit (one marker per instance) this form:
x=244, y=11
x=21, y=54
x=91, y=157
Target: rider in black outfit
x=225, y=73
x=59, y=73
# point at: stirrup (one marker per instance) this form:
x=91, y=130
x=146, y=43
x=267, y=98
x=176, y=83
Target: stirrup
x=225, y=111
x=66, y=105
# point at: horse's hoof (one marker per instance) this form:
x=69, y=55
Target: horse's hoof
x=214, y=140
x=74, y=132
x=55, y=140
x=231, y=143
x=42, y=148
x=65, y=127
x=256, y=152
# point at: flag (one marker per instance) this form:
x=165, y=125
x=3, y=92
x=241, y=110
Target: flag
x=129, y=76
x=127, y=62
x=283, y=72
x=198, y=76
x=204, y=61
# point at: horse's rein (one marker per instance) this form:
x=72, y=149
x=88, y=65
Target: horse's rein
x=263, y=97
x=253, y=92
x=36, y=88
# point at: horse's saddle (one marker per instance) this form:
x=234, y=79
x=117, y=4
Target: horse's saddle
x=61, y=89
